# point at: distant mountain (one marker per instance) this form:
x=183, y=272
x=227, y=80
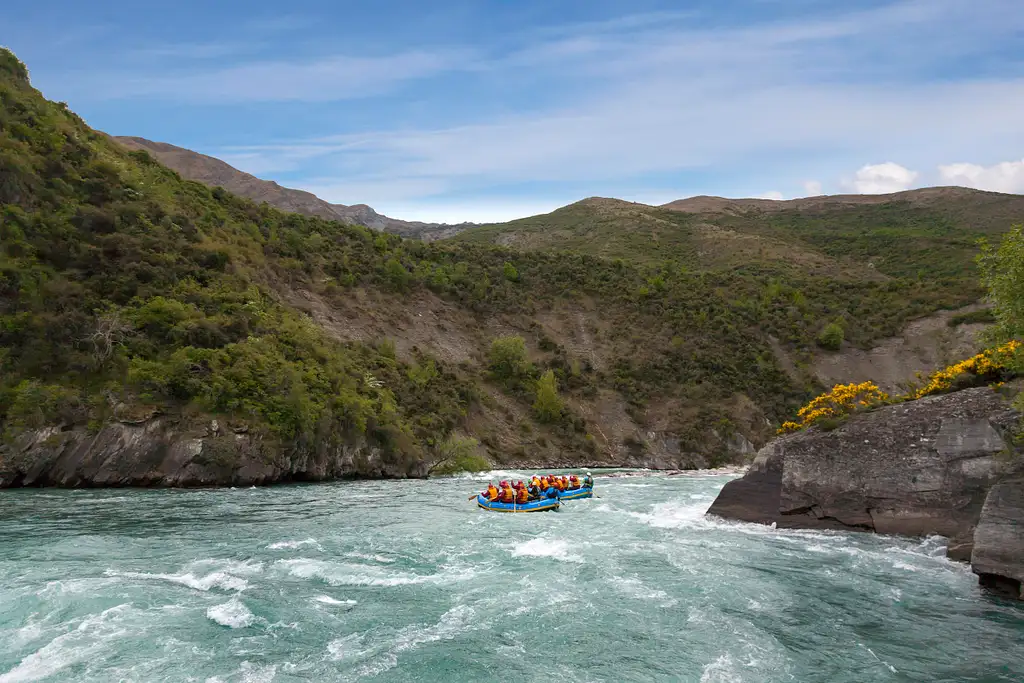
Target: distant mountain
x=931, y=231
x=214, y=172
x=926, y=196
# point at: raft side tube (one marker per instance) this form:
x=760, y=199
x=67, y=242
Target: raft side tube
x=541, y=505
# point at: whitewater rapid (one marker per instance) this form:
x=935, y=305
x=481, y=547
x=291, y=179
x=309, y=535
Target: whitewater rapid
x=408, y=581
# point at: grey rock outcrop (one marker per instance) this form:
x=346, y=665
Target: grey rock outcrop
x=917, y=468
x=161, y=452
x=998, y=556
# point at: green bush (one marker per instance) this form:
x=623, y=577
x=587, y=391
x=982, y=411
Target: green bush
x=507, y=358
x=831, y=337
x=458, y=454
x=548, y=405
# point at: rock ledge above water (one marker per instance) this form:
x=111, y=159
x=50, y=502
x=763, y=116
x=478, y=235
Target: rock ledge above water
x=941, y=465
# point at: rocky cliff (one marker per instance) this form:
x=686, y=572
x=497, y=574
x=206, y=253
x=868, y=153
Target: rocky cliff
x=939, y=465
x=165, y=452
x=998, y=556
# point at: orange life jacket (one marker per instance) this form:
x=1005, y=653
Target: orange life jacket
x=524, y=495
x=492, y=492
x=508, y=495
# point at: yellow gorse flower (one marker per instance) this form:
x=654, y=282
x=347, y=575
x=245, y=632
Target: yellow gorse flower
x=844, y=399
x=987, y=362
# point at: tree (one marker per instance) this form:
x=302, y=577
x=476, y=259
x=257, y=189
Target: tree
x=458, y=454
x=548, y=406
x=831, y=336
x=1002, y=273
x=507, y=358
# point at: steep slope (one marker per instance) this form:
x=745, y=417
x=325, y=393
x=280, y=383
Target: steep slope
x=155, y=331
x=216, y=173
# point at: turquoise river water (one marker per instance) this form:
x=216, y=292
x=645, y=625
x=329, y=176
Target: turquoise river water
x=408, y=581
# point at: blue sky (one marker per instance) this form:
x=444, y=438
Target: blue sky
x=461, y=110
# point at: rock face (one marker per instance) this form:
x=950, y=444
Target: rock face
x=998, y=556
x=918, y=468
x=160, y=452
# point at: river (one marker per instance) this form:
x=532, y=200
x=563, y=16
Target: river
x=407, y=581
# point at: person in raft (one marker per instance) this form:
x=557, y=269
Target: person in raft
x=540, y=486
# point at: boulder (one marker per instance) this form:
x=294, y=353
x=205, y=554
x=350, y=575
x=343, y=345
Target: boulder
x=998, y=556
x=917, y=468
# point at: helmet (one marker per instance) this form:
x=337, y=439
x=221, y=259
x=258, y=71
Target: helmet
x=503, y=483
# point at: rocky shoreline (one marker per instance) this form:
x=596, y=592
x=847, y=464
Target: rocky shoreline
x=943, y=465
x=167, y=451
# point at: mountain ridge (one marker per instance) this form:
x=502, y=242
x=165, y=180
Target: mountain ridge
x=215, y=172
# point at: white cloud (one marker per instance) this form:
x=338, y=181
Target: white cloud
x=882, y=179
x=771, y=194
x=1007, y=176
x=812, y=188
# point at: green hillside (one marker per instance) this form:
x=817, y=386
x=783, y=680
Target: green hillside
x=924, y=235
x=126, y=292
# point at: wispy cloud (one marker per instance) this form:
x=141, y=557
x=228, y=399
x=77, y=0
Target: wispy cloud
x=663, y=98
x=319, y=80
x=765, y=102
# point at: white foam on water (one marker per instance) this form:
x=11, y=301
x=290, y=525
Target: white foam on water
x=904, y=566
x=328, y=600
x=373, y=558
x=723, y=670
x=26, y=634
x=243, y=567
x=249, y=673
x=635, y=588
x=54, y=589
x=672, y=515
x=454, y=622
x=221, y=580
x=350, y=647
x=556, y=549
x=341, y=574
x=88, y=639
x=232, y=614
x=292, y=545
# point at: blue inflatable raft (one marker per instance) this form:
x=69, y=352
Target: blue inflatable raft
x=540, y=505
x=576, y=494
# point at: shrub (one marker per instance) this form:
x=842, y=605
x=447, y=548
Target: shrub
x=548, y=405
x=1002, y=272
x=458, y=454
x=987, y=367
x=831, y=336
x=507, y=358
x=510, y=272
x=841, y=401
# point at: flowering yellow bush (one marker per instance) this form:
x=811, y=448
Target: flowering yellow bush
x=843, y=399
x=988, y=362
